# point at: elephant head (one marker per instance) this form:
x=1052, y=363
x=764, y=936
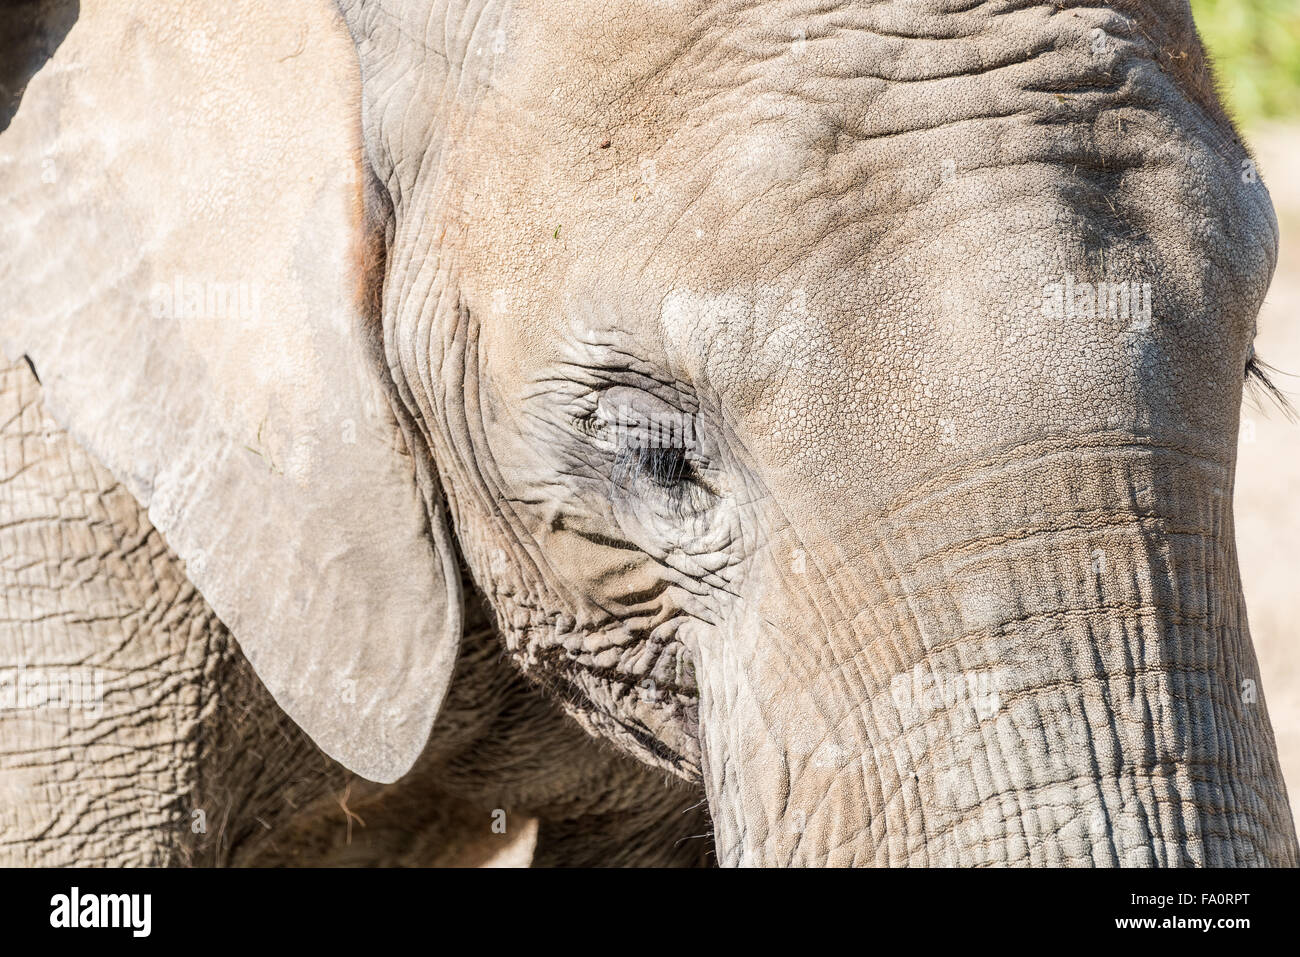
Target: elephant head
x=837, y=405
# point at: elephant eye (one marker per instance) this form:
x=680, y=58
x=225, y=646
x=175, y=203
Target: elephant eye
x=665, y=466
x=655, y=451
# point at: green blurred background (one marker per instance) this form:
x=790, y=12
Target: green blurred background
x=1256, y=49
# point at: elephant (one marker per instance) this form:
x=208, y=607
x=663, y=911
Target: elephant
x=747, y=432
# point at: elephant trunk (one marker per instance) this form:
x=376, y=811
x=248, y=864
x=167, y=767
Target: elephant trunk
x=1043, y=661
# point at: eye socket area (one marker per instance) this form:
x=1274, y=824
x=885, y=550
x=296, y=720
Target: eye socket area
x=655, y=446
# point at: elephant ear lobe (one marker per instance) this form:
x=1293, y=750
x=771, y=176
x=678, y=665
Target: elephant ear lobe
x=183, y=227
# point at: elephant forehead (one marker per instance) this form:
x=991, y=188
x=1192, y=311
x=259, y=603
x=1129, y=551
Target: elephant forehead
x=731, y=144
x=648, y=68
x=735, y=135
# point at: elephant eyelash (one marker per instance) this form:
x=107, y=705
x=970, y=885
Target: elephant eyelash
x=1260, y=384
x=665, y=466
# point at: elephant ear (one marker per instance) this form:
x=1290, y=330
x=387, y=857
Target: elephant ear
x=183, y=262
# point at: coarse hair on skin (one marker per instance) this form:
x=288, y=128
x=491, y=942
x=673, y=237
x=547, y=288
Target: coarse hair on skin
x=1260, y=386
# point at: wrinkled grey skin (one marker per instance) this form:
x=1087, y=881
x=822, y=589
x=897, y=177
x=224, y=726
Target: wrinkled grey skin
x=204, y=769
x=935, y=576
